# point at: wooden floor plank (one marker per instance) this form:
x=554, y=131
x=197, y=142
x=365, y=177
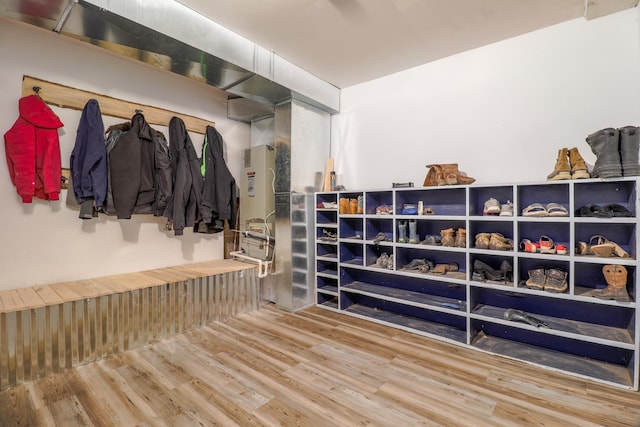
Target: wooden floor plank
x=312, y=368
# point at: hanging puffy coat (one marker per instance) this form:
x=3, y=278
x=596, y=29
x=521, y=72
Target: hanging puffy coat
x=89, y=158
x=184, y=207
x=219, y=190
x=32, y=148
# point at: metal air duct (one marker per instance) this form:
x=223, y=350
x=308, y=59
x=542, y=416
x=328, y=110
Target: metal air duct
x=170, y=36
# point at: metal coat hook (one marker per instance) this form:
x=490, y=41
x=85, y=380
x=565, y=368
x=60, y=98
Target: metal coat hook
x=138, y=111
x=36, y=89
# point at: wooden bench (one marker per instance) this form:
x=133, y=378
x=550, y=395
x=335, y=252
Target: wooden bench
x=46, y=329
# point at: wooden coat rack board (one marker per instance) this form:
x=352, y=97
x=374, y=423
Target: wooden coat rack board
x=69, y=97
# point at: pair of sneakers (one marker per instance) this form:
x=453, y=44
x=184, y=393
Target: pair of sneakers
x=494, y=207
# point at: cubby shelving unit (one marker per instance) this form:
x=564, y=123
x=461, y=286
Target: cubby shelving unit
x=586, y=336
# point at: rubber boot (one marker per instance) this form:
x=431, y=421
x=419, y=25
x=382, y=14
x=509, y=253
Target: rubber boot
x=578, y=166
x=562, y=170
x=629, y=145
x=413, y=228
x=616, y=277
x=402, y=231
x=605, y=145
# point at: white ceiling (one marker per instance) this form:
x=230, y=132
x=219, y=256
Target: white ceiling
x=346, y=42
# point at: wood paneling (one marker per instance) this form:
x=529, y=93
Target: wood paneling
x=312, y=368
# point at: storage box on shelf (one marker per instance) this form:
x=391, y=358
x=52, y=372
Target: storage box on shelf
x=389, y=266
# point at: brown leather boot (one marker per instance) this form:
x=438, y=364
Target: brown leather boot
x=435, y=176
x=578, y=166
x=562, y=170
x=461, y=238
x=448, y=237
x=453, y=175
x=616, y=277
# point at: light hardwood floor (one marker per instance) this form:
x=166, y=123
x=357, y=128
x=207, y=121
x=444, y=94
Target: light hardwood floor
x=312, y=368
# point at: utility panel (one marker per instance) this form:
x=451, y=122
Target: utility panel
x=257, y=196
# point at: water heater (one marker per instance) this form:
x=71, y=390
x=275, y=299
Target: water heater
x=257, y=195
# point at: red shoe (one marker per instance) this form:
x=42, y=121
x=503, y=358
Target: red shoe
x=527, y=245
x=547, y=246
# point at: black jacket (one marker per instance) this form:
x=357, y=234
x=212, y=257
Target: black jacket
x=219, y=191
x=139, y=170
x=184, y=208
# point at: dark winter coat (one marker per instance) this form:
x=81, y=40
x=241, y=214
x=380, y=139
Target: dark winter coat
x=162, y=176
x=131, y=167
x=184, y=208
x=32, y=148
x=219, y=192
x=89, y=157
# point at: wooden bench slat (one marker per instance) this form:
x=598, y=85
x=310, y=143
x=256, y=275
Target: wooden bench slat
x=58, y=293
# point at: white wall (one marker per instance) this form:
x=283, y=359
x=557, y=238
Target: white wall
x=500, y=111
x=46, y=242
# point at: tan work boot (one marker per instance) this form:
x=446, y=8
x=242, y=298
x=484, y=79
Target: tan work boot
x=562, y=170
x=578, y=166
x=448, y=237
x=616, y=277
x=461, y=238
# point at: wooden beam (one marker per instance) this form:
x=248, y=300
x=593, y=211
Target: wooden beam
x=70, y=97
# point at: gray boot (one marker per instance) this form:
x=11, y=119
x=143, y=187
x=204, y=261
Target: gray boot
x=629, y=146
x=402, y=231
x=605, y=145
x=413, y=235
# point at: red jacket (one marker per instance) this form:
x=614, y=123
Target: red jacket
x=33, y=151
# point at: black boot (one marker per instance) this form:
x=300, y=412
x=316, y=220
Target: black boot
x=605, y=145
x=629, y=145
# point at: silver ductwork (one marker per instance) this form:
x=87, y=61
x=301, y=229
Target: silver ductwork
x=170, y=36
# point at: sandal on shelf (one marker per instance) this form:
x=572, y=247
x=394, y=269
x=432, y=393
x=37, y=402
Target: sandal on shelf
x=593, y=211
x=583, y=248
x=547, y=246
x=535, y=209
x=556, y=209
x=606, y=248
x=527, y=245
x=617, y=210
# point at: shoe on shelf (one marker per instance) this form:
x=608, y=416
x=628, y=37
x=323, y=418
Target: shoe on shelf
x=482, y=240
x=461, y=238
x=506, y=209
x=491, y=207
x=556, y=209
x=380, y=237
x=499, y=242
x=561, y=249
x=604, y=247
x=535, y=209
x=527, y=245
x=444, y=268
x=616, y=278
x=578, y=166
x=537, y=278
x=328, y=236
x=448, y=237
x=562, y=170
x=556, y=280
x=547, y=246
x=432, y=240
